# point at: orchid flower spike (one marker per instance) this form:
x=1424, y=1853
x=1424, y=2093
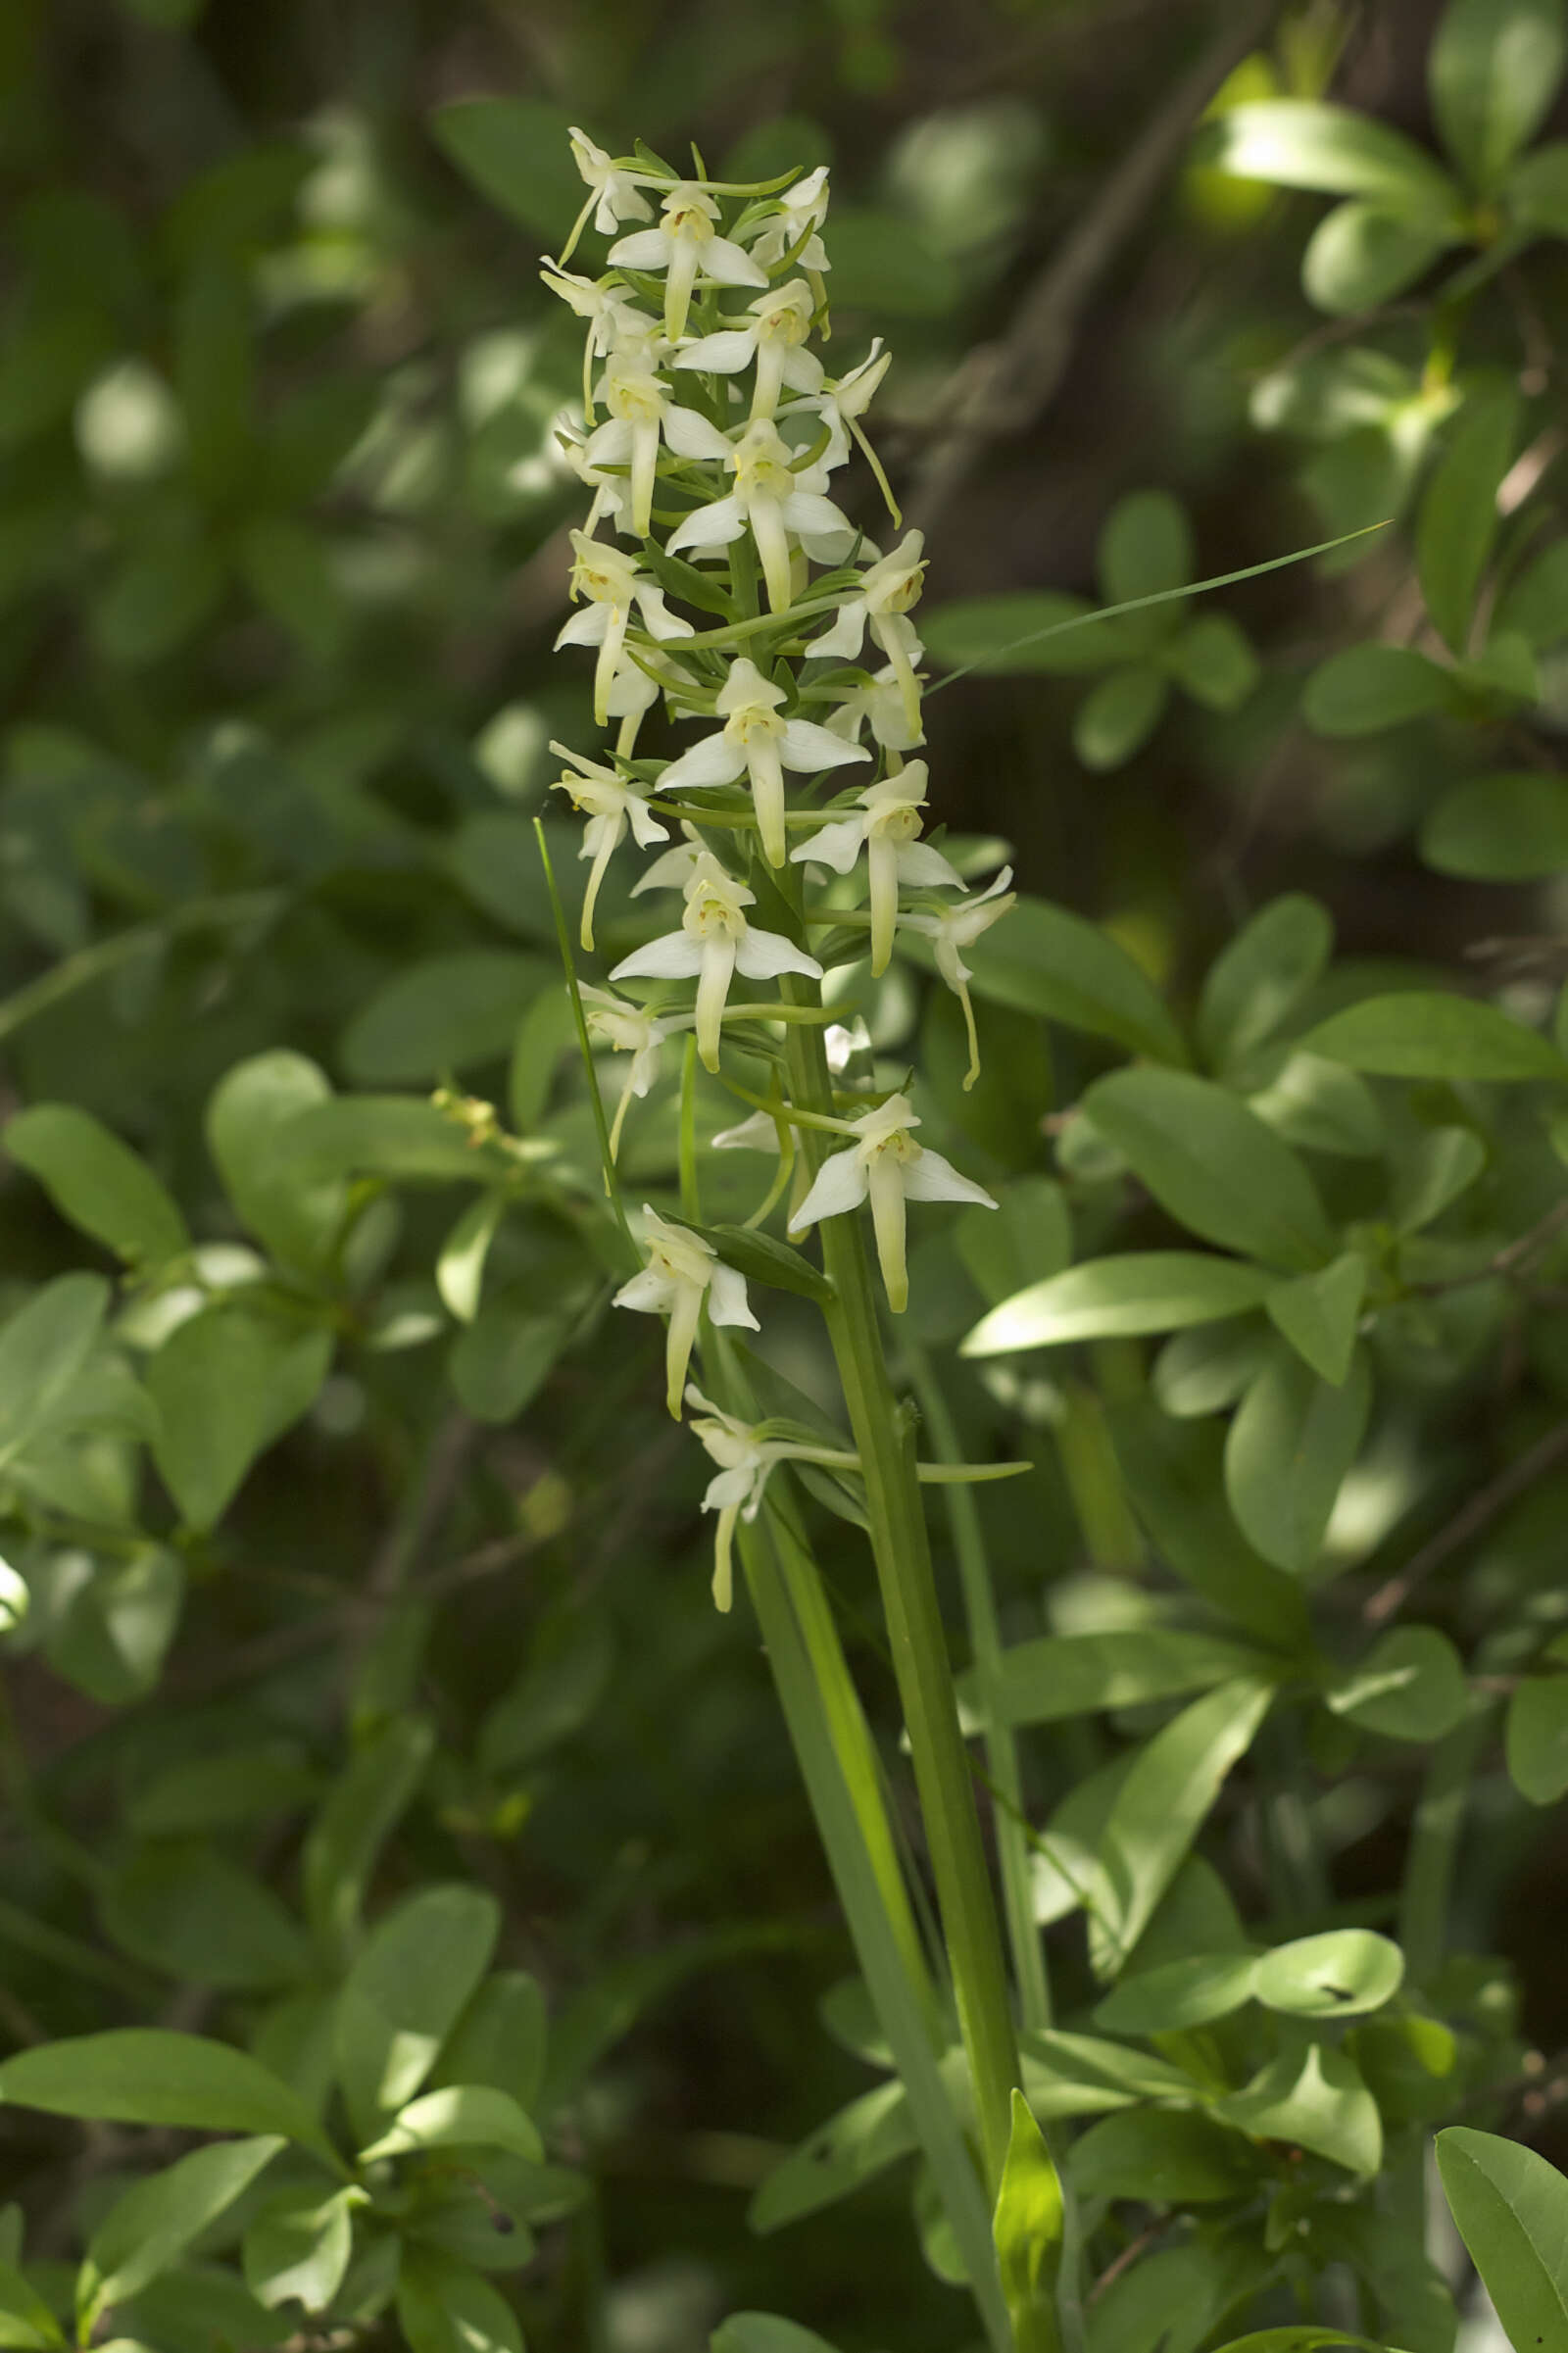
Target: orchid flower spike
x=776, y=339
x=681, y=1275
x=887, y=1167
x=952, y=929
x=888, y=825
x=883, y=598
x=686, y=246
x=609, y=578
x=714, y=944
x=627, y=1029
x=610, y=805
x=757, y=743
x=774, y=501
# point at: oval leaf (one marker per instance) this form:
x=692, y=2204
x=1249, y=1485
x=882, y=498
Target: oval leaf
x=98, y=1182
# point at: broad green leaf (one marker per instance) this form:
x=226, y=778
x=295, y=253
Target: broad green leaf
x=1537, y=1739
x=184, y=1908
x=1298, y=143
x=515, y=150
x=1492, y=72
x=852, y=2147
x=1319, y=1315
x=1027, y=2225
x=1424, y=1034
x=1162, y=1804
x=458, y=2116
x=298, y=2246
x=460, y=1267
x=1173, y=1477
x=151, y=2224
x=1054, y=1677
x=1026, y=1239
x=1302, y=2341
x=765, y=2332
x=1336, y=1974
x=1212, y=1164
x=1212, y=661
x=227, y=1384
x=1361, y=255
x=442, y=1014
x=1534, y=605
x=1118, y=716
x=1290, y=1443
x=217, y=1791
x=288, y=569
x=1536, y=193
x=1507, y=828
x=445, y=2307
x=1048, y=961
x=1162, y=2160
x=1457, y=521
x=388, y=1136
x=762, y=1258
x=1173, y=2301
x=1410, y=1686
x=1319, y=1107
x=1147, y=1291
x=295, y=1215
x=1207, y=1369
x=1366, y=688
x=114, y=1631
x=1178, y=1995
x=360, y=1812
x=499, y=2039
x=98, y=1182
x=405, y=1993
x=25, y=2320
x=1315, y=2097
x=1081, y=2075
x=1261, y=976
x=1146, y=546
x=553, y=1694
x=155, y=601
x=1443, y=1164
x=152, y=2076
x=1512, y=2210
x=43, y=1347
x=502, y=1360
x=997, y=635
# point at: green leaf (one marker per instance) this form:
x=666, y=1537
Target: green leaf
x=1207, y=1370
x=1162, y=2160
x=765, y=2332
x=1146, y=546
x=1315, y=2097
x=151, y=2224
x=1536, y=191
x=99, y=1183
x=155, y=601
x=458, y=2116
x=996, y=633
x=1318, y=1106
x=360, y=1812
x=1161, y=1805
x=1213, y=661
x=1422, y=1033
x=554, y=1695
x=114, y=1632
x=499, y=2039
x=1511, y=2208
x=1117, y=718
x=1178, y=1995
x=1045, y=961
x=1509, y=828
x=1147, y=1291
x=441, y=1015
x=388, y=1136
x=404, y=1994
x=1440, y=1164
x=298, y=2245
x=184, y=1908
x=1081, y=2075
x=460, y=1267
x=1052, y=1676
x=1537, y=1739
x=1173, y=1478
x=1319, y=1315
x=1458, y=517
x=1298, y=143
x=1261, y=977
x=854, y=2147
x=1027, y=2226
x=287, y=568
x=445, y=2307
x=504, y=1358
x=43, y=1349
x=1410, y=1686
x=1337, y=1975
x=885, y=263
x=1026, y=1239
x=1366, y=688
x=515, y=150
x=1212, y=1164
x=1493, y=72
x=25, y=2320
x=1361, y=255
x=295, y=1215
x=762, y=1258
x=1290, y=1446
x=217, y=1791
x=152, y=2076
x=1173, y=2301
x=227, y=1384
x=1534, y=605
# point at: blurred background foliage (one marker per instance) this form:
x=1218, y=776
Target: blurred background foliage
x=282, y=548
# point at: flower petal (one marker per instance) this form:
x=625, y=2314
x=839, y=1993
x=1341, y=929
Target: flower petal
x=720, y=355
x=727, y=1302
x=805, y=513
x=837, y=846
x=922, y=866
x=714, y=761
x=690, y=435
x=841, y=1184
x=712, y=526
x=848, y=633
x=649, y=1292
x=805, y=747
x=764, y=954
x=928, y=1177
x=675, y=956
x=649, y=249
x=726, y=265
x=586, y=626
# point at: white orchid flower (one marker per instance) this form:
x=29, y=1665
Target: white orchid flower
x=952, y=929
x=675, y=869
x=641, y=415
x=757, y=1133
x=613, y=584
x=627, y=1029
x=755, y=742
x=681, y=1275
x=611, y=492
x=882, y=599
x=613, y=321
x=886, y=827
x=610, y=804
x=774, y=501
x=887, y=1167
x=687, y=246
x=714, y=944
x=800, y=206
x=841, y=407
x=745, y=1459
x=879, y=706
x=614, y=191
x=781, y=324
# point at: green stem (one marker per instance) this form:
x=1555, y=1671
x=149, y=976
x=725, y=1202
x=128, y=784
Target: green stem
x=916, y=1636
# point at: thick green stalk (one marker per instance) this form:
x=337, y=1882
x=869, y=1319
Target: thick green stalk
x=915, y=1632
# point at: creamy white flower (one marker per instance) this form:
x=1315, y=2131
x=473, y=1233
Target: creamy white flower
x=628, y=1029
x=614, y=190
x=613, y=584
x=681, y=1275
x=755, y=742
x=759, y=1133
x=887, y=1167
x=952, y=929
x=880, y=706
x=642, y=414
x=611, y=492
x=744, y=1458
x=714, y=944
x=687, y=246
x=886, y=827
x=610, y=804
x=842, y=403
x=883, y=598
x=774, y=502
x=800, y=206
x=775, y=340
x=675, y=869
x=611, y=319
x=841, y=1044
